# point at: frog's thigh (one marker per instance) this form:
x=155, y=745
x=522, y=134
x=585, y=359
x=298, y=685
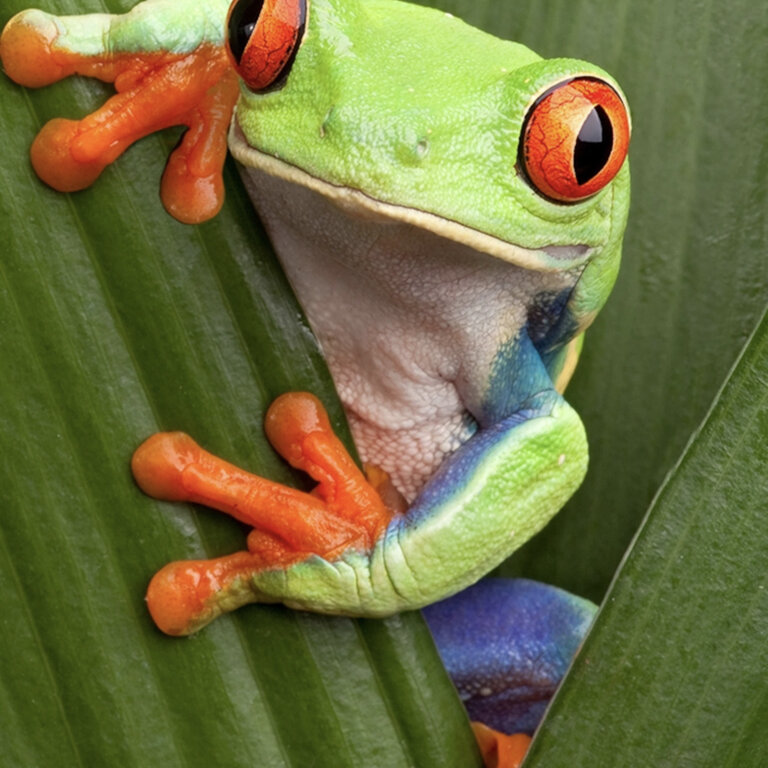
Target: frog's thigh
x=489, y=498
x=506, y=644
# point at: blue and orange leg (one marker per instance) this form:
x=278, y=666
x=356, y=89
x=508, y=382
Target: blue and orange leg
x=183, y=82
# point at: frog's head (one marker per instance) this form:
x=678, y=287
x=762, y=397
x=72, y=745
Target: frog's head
x=409, y=113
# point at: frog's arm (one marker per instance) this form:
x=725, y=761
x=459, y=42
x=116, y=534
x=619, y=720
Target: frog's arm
x=169, y=67
x=339, y=550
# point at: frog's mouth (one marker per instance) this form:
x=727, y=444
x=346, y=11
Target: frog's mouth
x=552, y=258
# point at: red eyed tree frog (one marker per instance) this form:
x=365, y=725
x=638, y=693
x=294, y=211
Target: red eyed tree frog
x=449, y=209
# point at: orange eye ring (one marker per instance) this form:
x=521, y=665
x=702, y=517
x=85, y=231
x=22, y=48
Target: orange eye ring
x=263, y=37
x=574, y=139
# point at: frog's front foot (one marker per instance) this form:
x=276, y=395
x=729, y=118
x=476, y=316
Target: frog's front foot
x=176, y=82
x=343, y=513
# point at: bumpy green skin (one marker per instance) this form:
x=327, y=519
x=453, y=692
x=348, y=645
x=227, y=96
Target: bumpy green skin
x=445, y=142
x=152, y=26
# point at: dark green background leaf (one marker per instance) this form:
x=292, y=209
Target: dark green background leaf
x=674, y=673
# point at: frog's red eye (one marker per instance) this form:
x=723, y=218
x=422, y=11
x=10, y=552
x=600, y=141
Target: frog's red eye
x=263, y=37
x=575, y=139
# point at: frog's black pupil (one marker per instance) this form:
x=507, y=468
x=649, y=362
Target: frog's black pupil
x=593, y=145
x=242, y=22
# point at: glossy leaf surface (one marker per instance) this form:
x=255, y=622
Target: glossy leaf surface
x=674, y=673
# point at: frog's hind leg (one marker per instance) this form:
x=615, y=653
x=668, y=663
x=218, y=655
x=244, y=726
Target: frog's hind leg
x=507, y=643
x=180, y=82
x=343, y=512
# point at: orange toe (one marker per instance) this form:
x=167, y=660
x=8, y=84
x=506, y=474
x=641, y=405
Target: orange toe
x=158, y=464
x=186, y=595
x=25, y=50
x=500, y=750
x=290, y=419
x=53, y=160
x=188, y=198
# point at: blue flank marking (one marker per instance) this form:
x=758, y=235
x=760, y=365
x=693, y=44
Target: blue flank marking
x=453, y=473
x=520, y=389
x=517, y=377
x=550, y=323
x=506, y=644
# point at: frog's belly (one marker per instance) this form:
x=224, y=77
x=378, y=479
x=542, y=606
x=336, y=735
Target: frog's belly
x=410, y=323
x=394, y=369
x=410, y=456
x=409, y=453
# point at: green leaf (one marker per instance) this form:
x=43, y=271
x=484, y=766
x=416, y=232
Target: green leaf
x=674, y=672
x=116, y=321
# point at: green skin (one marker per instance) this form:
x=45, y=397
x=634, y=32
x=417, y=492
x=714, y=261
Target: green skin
x=385, y=102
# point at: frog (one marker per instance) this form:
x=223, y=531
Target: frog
x=449, y=209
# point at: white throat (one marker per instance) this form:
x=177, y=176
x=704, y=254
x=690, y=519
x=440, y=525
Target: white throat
x=409, y=322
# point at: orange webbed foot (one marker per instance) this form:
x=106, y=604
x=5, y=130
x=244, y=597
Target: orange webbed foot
x=344, y=512
x=155, y=90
